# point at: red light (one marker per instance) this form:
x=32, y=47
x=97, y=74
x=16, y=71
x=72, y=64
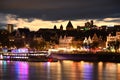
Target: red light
x=50, y=60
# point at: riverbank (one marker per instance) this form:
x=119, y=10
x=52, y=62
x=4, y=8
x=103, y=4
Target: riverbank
x=101, y=56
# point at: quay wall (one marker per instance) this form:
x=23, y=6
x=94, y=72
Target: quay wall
x=108, y=57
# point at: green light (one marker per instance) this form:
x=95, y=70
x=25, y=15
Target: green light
x=86, y=29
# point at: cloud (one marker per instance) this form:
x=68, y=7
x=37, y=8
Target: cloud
x=111, y=20
x=62, y=9
x=35, y=24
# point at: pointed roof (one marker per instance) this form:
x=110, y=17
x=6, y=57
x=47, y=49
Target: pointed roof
x=85, y=40
x=95, y=37
x=89, y=39
x=69, y=25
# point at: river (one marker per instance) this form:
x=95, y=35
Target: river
x=61, y=70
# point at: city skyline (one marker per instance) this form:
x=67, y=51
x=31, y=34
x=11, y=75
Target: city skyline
x=45, y=14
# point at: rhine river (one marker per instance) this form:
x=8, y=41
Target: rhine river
x=61, y=70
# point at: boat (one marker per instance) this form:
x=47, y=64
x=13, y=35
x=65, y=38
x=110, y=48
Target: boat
x=41, y=57
x=38, y=56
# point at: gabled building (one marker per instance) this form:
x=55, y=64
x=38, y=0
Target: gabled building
x=65, y=42
x=111, y=38
x=38, y=39
x=20, y=37
x=94, y=40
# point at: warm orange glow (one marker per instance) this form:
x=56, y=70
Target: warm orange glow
x=118, y=70
x=36, y=23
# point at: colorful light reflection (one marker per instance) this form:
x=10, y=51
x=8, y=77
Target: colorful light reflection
x=22, y=69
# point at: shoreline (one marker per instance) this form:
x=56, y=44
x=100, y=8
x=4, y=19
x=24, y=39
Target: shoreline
x=94, y=57
x=81, y=56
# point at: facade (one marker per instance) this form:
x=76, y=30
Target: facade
x=65, y=42
x=111, y=38
x=38, y=39
x=94, y=40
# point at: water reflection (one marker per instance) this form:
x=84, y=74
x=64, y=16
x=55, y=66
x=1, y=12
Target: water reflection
x=63, y=70
x=21, y=70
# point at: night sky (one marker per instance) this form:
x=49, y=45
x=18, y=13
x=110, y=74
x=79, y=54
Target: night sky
x=55, y=10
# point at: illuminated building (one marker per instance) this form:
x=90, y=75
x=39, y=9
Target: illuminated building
x=65, y=42
x=20, y=37
x=88, y=41
x=111, y=38
x=38, y=39
x=95, y=39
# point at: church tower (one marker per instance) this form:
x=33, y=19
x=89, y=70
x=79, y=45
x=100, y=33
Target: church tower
x=69, y=26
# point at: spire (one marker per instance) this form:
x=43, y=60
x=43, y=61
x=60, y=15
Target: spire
x=55, y=27
x=69, y=26
x=61, y=27
x=85, y=40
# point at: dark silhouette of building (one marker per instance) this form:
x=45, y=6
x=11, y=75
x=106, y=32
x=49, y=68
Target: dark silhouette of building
x=61, y=27
x=89, y=24
x=92, y=23
x=117, y=27
x=10, y=28
x=55, y=27
x=69, y=26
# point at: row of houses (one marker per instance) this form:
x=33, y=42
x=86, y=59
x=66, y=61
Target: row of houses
x=64, y=41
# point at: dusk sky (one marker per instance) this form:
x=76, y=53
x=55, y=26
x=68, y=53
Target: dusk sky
x=36, y=14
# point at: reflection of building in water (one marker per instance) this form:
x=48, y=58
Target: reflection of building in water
x=111, y=38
